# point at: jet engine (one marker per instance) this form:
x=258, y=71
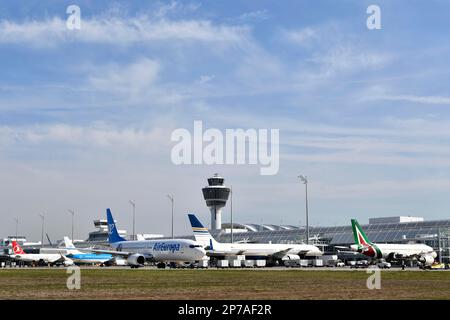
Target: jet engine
x=394, y=256
x=291, y=257
x=68, y=262
x=136, y=260
x=427, y=259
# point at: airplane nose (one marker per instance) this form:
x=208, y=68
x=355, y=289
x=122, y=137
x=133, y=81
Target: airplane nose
x=354, y=247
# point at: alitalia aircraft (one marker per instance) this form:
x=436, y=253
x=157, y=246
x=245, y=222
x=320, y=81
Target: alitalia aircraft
x=275, y=251
x=162, y=251
x=391, y=252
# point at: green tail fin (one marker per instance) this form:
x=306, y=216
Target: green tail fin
x=359, y=235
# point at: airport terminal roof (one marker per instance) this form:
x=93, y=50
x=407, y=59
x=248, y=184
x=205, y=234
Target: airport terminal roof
x=382, y=232
x=254, y=227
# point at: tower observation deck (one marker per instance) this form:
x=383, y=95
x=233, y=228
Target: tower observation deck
x=216, y=196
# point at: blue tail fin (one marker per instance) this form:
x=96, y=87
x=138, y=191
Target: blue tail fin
x=113, y=235
x=195, y=223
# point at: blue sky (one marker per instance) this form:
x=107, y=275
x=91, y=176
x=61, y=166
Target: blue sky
x=86, y=115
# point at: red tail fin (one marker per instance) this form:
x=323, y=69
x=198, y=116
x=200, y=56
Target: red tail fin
x=16, y=248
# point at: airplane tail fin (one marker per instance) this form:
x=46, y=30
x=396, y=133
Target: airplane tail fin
x=68, y=243
x=202, y=234
x=16, y=248
x=359, y=234
x=70, y=248
x=140, y=237
x=113, y=234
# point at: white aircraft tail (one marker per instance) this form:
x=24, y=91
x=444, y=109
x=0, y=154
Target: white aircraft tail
x=70, y=248
x=140, y=237
x=201, y=234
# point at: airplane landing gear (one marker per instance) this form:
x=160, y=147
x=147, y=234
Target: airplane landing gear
x=161, y=265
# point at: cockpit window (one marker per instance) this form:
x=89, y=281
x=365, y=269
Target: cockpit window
x=195, y=246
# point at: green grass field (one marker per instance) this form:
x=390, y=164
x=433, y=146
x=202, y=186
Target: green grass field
x=221, y=284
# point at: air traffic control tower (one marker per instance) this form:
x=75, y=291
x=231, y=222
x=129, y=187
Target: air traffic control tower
x=216, y=196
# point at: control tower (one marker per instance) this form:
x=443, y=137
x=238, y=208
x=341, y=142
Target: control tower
x=216, y=196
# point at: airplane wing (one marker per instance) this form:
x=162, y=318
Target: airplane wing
x=67, y=261
x=112, y=252
x=278, y=255
x=216, y=253
x=122, y=254
x=62, y=259
x=281, y=254
x=348, y=252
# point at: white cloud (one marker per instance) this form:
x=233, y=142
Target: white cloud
x=94, y=135
x=384, y=188
x=414, y=98
x=205, y=78
x=391, y=142
x=368, y=144
x=327, y=53
x=347, y=58
x=119, y=31
x=176, y=7
x=257, y=15
x=132, y=79
x=387, y=160
x=381, y=92
x=43, y=33
x=300, y=37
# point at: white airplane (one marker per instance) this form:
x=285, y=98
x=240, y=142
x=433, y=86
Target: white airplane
x=274, y=251
x=161, y=251
x=39, y=258
x=391, y=252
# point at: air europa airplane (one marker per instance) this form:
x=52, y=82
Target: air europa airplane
x=392, y=251
x=162, y=251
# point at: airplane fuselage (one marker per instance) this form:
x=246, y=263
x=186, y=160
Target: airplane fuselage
x=47, y=258
x=89, y=258
x=265, y=249
x=386, y=250
x=164, y=250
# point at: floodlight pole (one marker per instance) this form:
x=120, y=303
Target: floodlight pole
x=133, y=204
x=17, y=226
x=72, y=212
x=439, y=245
x=231, y=209
x=42, y=230
x=304, y=179
x=171, y=200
